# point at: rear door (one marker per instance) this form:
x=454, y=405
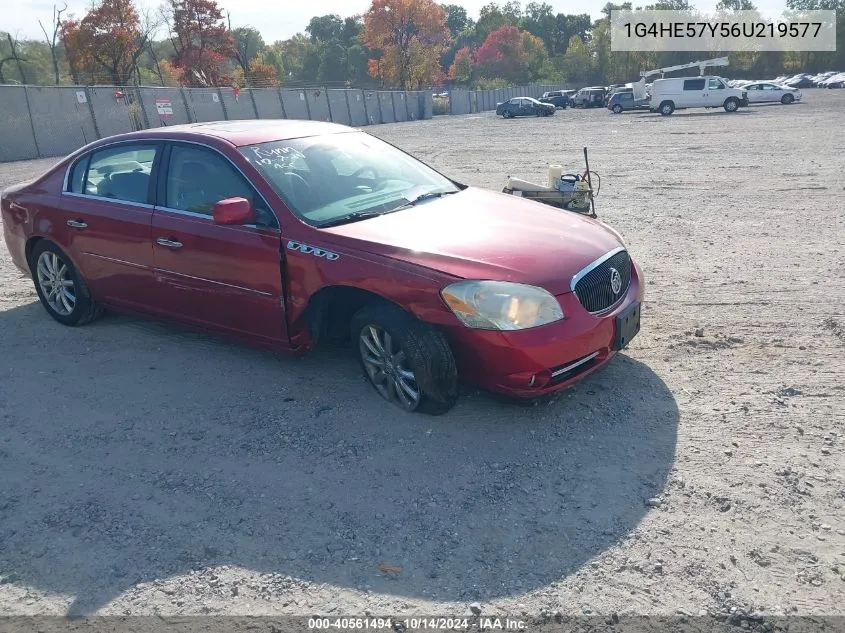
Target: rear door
x=222, y=277
x=769, y=92
x=755, y=93
x=107, y=205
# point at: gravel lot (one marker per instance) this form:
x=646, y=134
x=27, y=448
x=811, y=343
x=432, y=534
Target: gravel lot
x=146, y=469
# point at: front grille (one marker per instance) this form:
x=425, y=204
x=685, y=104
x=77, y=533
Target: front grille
x=594, y=287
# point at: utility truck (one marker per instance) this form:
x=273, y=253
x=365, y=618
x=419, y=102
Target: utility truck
x=702, y=91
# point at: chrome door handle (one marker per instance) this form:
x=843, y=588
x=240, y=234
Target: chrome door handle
x=76, y=224
x=163, y=241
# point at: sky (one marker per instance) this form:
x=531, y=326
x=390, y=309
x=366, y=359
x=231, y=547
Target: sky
x=280, y=19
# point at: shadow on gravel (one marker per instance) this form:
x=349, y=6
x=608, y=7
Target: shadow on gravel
x=684, y=114
x=132, y=451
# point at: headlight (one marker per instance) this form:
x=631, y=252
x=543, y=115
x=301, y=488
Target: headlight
x=501, y=305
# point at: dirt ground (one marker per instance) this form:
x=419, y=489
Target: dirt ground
x=149, y=470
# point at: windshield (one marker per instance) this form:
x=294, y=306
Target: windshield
x=326, y=178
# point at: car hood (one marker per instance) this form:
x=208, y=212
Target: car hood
x=480, y=234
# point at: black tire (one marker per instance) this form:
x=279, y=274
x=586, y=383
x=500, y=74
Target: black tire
x=666, y=108
x=731, y=104
x=787, y=99
x=507, y=114
x=426, y=351
x=85, y=309
x=617, y=109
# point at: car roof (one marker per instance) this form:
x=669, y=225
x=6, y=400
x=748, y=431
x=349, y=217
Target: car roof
x=245, y=132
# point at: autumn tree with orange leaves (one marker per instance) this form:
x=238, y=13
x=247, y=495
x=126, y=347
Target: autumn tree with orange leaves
x=511, y=54
x=104, y=46
x=461, y=69
x=411, y=35
x=202, y=42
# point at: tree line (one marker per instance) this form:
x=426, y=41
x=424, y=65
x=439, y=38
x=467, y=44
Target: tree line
x=408, y=44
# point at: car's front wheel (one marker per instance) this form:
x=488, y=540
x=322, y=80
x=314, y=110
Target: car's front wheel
x=667, y=108
x=731, y=104
x=60, y=287
x=617, y=109
x=787, y=99
x=408, y=362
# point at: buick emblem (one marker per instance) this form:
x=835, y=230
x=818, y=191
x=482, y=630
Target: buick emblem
x=615, y=281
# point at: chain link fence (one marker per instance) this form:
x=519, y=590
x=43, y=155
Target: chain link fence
x=44, y=121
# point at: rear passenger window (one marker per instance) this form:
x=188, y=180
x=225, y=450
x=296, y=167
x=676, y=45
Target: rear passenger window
x=694, y=84
x=76, y=179
x=121, y=173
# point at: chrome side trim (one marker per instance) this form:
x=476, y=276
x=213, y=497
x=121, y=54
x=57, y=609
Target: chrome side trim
x=208, y=216
x=190, y=214
x=211, y=281
x=577, y=363
x=88, y=196
x=116, y=261
x=585, y=271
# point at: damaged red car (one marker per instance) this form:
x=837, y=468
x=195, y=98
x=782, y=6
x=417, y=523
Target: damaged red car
x=289, y=233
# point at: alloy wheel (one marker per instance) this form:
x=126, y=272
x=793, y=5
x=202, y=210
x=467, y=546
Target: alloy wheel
x=56, y=283
x=387, y=367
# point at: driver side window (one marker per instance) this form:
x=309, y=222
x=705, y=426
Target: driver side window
x=198, y=178
x=715, y=84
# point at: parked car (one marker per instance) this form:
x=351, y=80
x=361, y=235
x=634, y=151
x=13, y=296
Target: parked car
x=624, y=100
x=524, y=106
x=286, y=233
x=558, y=98
x=804, y=81
x=768, y=92
x=834, y=81
x=668, y=95
x=592, y=97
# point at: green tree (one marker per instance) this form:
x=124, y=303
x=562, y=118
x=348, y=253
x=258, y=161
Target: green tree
x=735, y=5
x=456, y=18
x=248, y=43
x=325, y=28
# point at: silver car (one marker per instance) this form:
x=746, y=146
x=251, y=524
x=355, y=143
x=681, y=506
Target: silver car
x=770, y=92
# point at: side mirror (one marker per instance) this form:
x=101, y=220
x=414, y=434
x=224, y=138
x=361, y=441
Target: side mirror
x=233, y=211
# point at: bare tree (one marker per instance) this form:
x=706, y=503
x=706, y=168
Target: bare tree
x=52, y=40
x=150, y=24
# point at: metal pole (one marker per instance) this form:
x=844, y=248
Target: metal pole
x=590, y=185
x=31, y=123
x=91, y=110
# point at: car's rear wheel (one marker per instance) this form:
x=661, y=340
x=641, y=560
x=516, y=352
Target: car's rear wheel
x=667, y=108
x=408, y=362
x=617, y=109
x=60, y=287
x=731, y=104
x=787, y=99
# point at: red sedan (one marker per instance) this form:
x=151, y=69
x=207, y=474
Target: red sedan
x=285, y=233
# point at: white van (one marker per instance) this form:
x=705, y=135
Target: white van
x=668, y=95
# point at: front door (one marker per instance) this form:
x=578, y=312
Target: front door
x=715, y=92
x=224, y=277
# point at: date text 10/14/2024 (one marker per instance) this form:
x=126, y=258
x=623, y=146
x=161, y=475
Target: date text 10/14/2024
x=416, y=624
